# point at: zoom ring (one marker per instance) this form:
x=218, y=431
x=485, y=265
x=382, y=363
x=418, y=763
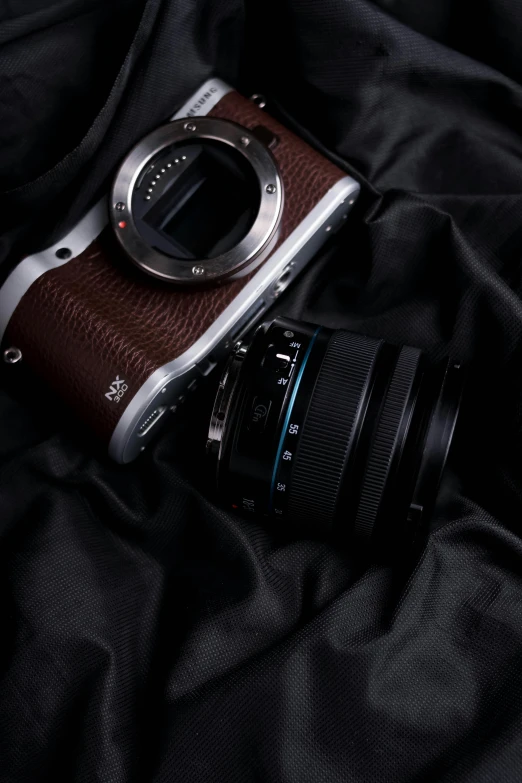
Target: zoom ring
x=385, y=441
x=330, y=428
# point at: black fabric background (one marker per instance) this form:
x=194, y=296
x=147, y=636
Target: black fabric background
x=147, y=634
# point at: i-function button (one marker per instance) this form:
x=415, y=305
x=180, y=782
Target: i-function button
x=259, y=414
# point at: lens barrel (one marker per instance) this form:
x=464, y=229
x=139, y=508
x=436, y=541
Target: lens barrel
x=334, y=432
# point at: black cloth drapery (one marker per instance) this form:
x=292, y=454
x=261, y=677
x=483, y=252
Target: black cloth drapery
x=147, y=634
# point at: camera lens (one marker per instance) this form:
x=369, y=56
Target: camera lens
x=334, y=433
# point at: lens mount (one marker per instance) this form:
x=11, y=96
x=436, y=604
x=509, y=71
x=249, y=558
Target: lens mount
x=222, y=404
x=145, y=178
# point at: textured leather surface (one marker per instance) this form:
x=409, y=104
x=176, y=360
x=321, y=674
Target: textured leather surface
x=307, y=176
x=93, y=319
x=97, y=317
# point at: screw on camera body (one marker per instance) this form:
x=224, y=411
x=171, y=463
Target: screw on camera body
x=12, y=355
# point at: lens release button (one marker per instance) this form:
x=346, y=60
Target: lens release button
x=259, y=414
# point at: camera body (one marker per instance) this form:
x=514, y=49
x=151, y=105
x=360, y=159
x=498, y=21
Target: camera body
x=124, y=343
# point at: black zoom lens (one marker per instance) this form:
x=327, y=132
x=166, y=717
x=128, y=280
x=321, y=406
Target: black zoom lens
x=334, y=432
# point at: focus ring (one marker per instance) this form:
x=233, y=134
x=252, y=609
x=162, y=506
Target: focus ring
x=385, y=440
x=331, y=427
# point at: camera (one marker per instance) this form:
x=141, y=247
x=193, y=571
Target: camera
x=335, y=434
x=209, y=218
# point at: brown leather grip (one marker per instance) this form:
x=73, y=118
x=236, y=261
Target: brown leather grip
x=307, y=176
x=98, y=318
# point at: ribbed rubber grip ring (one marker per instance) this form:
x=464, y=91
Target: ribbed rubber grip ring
x=330, y=427
x=385, y=440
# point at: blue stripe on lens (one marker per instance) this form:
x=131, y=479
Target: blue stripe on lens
x=289, y=414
